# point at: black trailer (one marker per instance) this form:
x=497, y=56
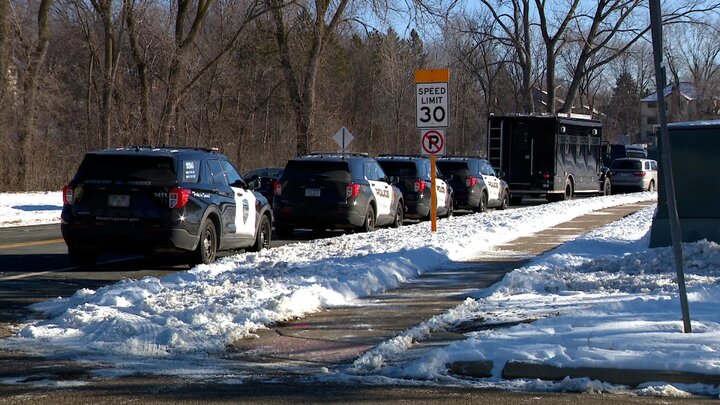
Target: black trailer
x=552, y=155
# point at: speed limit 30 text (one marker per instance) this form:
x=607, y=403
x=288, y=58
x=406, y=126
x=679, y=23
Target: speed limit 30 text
x=431, y=95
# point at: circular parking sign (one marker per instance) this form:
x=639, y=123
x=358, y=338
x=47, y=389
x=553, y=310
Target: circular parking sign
x=432, y=142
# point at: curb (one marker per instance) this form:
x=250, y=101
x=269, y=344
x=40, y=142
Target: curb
x=630, y=377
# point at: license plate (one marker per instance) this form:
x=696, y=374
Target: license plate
x=312, y=192
x=118, y=200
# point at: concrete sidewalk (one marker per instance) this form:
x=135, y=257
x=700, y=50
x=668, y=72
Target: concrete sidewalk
x=338, y=336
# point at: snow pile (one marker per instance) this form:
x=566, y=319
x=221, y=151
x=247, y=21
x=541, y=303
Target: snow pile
x=30, y=208
x=604, y=300
x=203, y=310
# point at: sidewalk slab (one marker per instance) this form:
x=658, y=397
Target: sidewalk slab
x=340, y=335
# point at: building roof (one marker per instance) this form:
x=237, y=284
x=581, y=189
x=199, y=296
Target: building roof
x=687, y=90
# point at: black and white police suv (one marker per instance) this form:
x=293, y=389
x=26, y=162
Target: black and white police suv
x=335, y=191
x=160, y=200
x=413, y=172
x=475, y=182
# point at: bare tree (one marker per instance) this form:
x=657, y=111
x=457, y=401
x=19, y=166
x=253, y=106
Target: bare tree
x=113, y=29
x=36, y=49
x=179, y=79
x=302, y=90
x=515, y=32
x=4, y=48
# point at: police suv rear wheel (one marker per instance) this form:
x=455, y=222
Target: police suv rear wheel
x=206, y=251
x=264, y=235
x=369, y=223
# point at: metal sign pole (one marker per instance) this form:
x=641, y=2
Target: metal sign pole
x=675, y=230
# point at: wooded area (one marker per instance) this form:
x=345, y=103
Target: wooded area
x=265, y=80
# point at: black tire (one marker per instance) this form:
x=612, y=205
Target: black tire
x=83, y=256
x=399, y=216
x=482, y=205
x=284, y=232
x=651, y=186
x=369, y=223
x=516, y=200
x=206, y=251
x=505, y=202
x=567, y=195
x=263, y=236
x=607, y=187
x=450, y=209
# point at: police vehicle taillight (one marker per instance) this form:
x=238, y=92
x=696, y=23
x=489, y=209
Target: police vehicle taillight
x=352, y=190
x=470, y=181
x=419, y=185
x=178, y=197
x=640, y=174
x=67, y=195
x=278, y=188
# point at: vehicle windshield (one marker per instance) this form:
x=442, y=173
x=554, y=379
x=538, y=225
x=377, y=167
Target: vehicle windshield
x=624, y=164
x=106, y=169
x=299, y=170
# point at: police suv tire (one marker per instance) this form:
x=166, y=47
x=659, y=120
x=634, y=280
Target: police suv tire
x=482, y=205
x=449, y=210
x=651, y=186
x=607, y=187
x=505, y=201
x=369, y=223
x=263, y=236
x=83, y=256
x=399, y=216
x=206, y=250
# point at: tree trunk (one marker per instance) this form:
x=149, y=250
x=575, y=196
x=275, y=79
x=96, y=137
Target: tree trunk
x=27, y=123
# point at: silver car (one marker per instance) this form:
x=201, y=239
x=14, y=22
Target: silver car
x=633, y=174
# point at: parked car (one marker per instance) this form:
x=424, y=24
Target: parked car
x=413, y=174
x=154, y=200
x=475, y=183
x=633, y=174
x=335, y=191
x=618, y=151
x=266, y=179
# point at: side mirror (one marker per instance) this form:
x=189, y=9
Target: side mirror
x=394, y=180
x=500, y=174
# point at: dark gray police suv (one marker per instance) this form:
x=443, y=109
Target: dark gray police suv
x=150, y=200
x=335, y=191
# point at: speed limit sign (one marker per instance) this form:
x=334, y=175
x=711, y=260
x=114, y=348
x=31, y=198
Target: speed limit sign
x=431, y=92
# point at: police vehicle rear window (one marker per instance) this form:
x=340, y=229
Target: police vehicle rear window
x=455, y=168
x=106, y=169
x=399, y=169
x=317, y=170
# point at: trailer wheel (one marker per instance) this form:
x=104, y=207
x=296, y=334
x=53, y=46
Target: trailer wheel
x=607, y=188
x=568, y=191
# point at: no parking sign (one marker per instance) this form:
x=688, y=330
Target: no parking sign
x=432, y=142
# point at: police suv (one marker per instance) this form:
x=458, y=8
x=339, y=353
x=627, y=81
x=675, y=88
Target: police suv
x=413, y=172
x=148, y=200
x=476, y=185
x=335, y=191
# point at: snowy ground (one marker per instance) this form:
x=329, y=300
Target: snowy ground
x=603, y=300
